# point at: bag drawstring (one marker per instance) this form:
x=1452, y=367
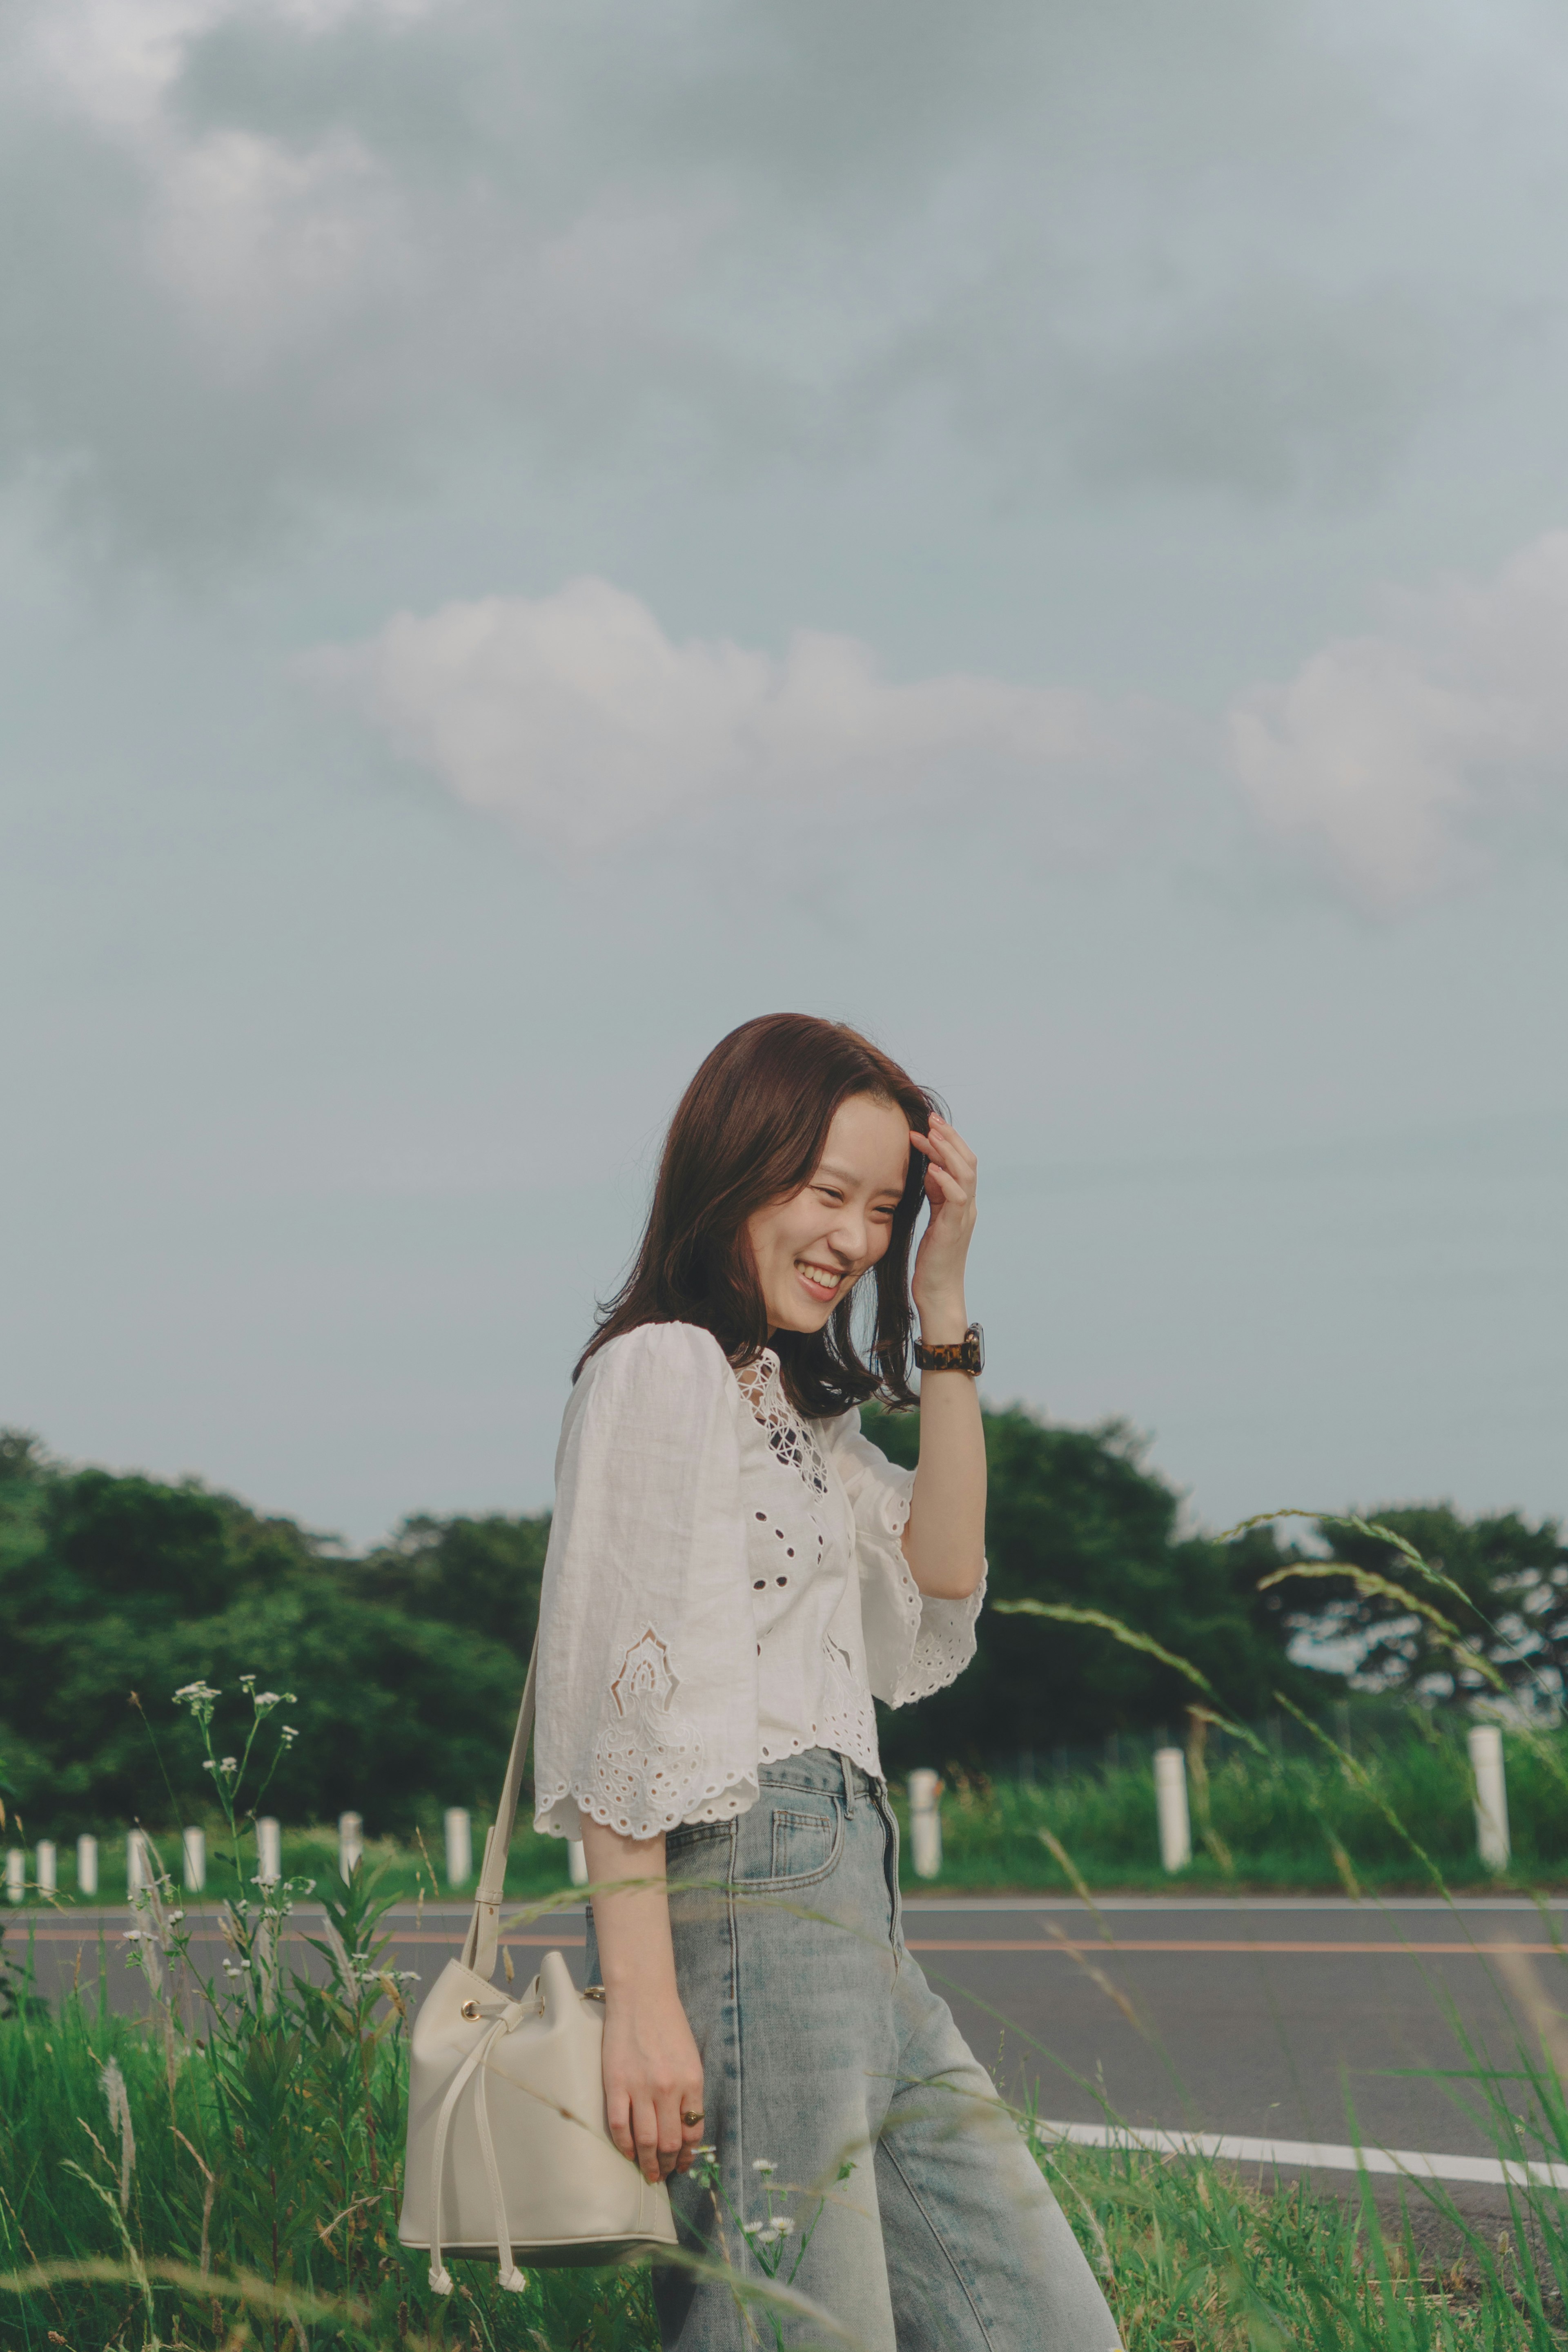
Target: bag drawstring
x=510, y=2277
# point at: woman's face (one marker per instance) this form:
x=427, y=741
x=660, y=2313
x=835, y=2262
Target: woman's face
x=811, y=1248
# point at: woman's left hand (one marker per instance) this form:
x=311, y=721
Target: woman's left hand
x=951, y=1175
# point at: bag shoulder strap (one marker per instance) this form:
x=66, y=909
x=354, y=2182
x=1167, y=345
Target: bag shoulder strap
x=484, y=1927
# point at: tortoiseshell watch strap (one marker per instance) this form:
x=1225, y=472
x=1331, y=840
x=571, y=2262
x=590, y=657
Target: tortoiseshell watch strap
x=964, y=1355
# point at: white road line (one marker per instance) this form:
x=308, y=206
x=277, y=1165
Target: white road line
x=1171, y=1905
x=1322, y=2155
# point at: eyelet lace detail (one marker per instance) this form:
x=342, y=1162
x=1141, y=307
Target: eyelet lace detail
x=793, y=1441
x=648, y=1763
x=944, y=1643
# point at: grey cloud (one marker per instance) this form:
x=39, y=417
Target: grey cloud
x=1270, y=388
x=1118, y=249
x=1286, y=387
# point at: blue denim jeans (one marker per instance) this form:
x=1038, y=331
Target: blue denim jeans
x=917, y=2216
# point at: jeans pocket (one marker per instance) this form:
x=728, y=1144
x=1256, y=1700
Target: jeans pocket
x=789, y=1844
x=802, y=1842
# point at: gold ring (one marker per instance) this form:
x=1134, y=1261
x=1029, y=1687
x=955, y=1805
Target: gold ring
x=688, y=2117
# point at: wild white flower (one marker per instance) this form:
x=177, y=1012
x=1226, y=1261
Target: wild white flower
x=248, y=1682
x=782, y=2227
x=763, y=2164
x=268, y=1698
x=769, y=2237
x=751, y=2228
x=195, y=1696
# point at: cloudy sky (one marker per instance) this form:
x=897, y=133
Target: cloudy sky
x=531, y=532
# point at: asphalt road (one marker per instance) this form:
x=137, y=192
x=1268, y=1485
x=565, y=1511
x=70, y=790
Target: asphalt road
x=1315, y=2020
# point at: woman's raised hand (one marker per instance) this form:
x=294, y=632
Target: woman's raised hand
x=952, y=1172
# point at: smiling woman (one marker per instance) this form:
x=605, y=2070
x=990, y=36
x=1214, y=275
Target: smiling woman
x=745, y=1168
x=734, y=1574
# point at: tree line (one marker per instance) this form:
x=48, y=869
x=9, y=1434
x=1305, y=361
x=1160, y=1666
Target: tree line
x=406, y=1660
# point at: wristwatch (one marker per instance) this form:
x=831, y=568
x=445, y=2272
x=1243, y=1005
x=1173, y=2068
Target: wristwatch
x=964, y=1355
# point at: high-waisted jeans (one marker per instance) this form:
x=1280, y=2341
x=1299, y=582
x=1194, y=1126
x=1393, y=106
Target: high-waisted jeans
x=925, y=2223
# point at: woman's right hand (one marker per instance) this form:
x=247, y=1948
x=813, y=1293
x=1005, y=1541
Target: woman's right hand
x=652, y=2072
x=652, y=2078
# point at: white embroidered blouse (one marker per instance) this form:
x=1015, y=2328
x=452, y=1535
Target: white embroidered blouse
x=724, y=1586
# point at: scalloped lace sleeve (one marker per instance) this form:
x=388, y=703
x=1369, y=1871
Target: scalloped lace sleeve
x=647, y=1683
x=915, y=1642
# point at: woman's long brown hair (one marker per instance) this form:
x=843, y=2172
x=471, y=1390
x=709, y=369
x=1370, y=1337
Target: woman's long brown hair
x=751, y=1130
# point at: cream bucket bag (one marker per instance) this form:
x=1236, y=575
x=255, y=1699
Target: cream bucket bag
x=509, y=2156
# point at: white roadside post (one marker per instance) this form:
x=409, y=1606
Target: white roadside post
x=1170, y=1803
x=924, y=1824
x=135, y=1863
x=268, y=1852
x=459, y=1847
x=350, y=1844
x=195, y=1846
x=576, y=1862
x=15, y=1875
x=1492, y=1841
x=46, y=1866
x=87, y=1866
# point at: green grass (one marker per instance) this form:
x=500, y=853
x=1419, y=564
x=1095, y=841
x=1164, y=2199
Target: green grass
x=246, y=2143
x=1278, y=1820
x=257, y=2206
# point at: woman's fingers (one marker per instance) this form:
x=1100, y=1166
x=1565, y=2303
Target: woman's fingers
x=618, y=2115
x=646, y=2134
x=671, y=2133
x=653, y=2134
x=946, y=1149
x=955, y=1153
x=653, y=2081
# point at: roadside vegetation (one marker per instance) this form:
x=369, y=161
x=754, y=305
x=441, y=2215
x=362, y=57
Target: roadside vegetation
x=1290, y=1818
x=1394, y=1811
x=224, y=2174
x=223, y=2171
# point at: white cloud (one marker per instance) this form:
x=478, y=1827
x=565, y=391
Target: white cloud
x=1402, y=759
x=576, y=720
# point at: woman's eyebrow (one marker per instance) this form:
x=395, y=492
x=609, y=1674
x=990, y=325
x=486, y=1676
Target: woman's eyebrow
x=848, y=1176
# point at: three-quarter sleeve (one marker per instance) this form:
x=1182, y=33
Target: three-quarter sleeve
x=915, y=1642
x=647, y=1682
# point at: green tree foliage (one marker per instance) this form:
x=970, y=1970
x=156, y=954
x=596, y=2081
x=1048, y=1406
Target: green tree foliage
x=115, y=1591
x=1075, y=1516
x=1513, y=1577
x=408, y=1661
x=476, y=1575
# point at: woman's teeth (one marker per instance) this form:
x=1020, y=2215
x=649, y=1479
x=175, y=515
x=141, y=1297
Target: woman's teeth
x=819, y=1277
